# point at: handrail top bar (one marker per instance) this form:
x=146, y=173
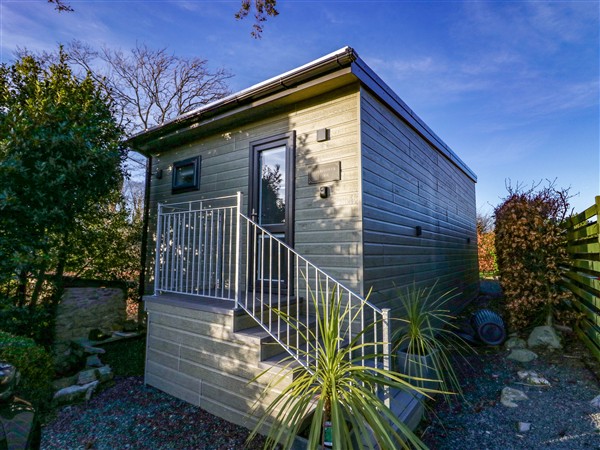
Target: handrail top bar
x=186, y=211
x=364, y=301
x=212, y=199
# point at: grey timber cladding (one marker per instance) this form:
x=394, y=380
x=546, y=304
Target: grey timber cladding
x=327, y=231
x=407, y=183
x=195, y=356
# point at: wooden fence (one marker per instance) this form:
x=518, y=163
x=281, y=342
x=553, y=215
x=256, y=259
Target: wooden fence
x=583, y=276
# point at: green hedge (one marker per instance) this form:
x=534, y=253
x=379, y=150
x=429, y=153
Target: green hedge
x=35, y=323
x=34, y=364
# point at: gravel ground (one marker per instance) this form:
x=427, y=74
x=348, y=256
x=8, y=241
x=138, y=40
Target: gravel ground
x=132, y=416
x=561, y=416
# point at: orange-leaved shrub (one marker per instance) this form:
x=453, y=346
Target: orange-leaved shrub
x=486, y=251
x=530, y=249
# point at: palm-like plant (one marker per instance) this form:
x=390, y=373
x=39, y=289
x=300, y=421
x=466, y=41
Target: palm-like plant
x=335, y=387
x=427, y=338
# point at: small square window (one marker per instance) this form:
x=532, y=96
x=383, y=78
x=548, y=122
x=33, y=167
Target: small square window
x=186, y=175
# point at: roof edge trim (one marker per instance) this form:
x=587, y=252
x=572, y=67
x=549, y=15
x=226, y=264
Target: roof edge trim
x=372, y=81
x=332, y=61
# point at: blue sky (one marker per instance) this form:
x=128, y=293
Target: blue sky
x=511, y=86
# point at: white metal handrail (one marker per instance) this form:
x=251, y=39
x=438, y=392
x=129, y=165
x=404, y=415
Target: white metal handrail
x=198, y=248
x=278, y=278
x=199, y=252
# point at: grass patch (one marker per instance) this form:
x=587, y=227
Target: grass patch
x=127, y=357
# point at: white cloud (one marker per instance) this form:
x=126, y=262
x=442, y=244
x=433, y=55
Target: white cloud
x=530, y=25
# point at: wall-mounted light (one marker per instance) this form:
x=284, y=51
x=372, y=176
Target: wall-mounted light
x=468, y=240
x=418, y=230
x=324, y=191
x=323, y=134
x=158, y=174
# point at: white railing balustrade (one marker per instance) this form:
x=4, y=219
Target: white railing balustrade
x=278, y=278
x=199, y=252
x=197, y=248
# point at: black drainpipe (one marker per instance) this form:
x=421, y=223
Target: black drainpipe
x=144, y=248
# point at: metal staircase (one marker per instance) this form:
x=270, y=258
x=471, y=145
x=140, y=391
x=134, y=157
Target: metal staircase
x=208, y=248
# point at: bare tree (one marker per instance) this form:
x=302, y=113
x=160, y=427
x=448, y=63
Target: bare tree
x=150, y=86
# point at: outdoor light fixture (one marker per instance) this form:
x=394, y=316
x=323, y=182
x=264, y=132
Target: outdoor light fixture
x=323, y=134
x=159, y=174
x=419, y=230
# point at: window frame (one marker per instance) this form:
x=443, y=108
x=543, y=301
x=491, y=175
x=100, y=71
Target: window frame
x=194, y=185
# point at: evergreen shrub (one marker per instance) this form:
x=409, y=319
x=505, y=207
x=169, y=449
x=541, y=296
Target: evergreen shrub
x=34, y=364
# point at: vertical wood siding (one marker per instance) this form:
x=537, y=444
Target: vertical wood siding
x=407, y=183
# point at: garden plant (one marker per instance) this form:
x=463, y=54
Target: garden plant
x=34, y=364
x=426, y=340
x=339, y=390
x=532, y=254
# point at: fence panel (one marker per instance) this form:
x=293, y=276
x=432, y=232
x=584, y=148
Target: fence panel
x=583, y=276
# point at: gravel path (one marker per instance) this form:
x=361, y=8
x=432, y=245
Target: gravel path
x=132, y=416
x=561, y=416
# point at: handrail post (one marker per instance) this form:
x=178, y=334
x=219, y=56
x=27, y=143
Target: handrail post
x=387, y=351
x=238, y=253
x=157, y=254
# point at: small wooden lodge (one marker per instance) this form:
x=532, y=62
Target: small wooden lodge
x=321, y=178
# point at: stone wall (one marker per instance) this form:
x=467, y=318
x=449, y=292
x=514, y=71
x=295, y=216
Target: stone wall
x=82, y=309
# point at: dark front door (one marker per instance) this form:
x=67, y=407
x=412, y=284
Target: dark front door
x=272, y=207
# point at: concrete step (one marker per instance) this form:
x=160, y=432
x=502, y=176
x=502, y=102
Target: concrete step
x=264, y=309
x=269, y=346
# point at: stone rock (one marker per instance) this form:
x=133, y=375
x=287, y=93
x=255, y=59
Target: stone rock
x=523, y=427
x=531, y=377
x=97, y=334
x=544, y=336
x=74, y=393
x=93, y=350
x=86, y=376
x=69, y=360
x=62, y=383
x=510, y=396
x=101, y=374
x=515, y=342
x=84, y=308
x=93, y=361
x=522, y=355
x=596, y=402
x=104, y=374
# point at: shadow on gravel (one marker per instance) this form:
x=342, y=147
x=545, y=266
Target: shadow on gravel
x=130, y=415
x=560, y=416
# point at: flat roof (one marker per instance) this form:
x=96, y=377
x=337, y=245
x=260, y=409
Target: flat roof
x=345, y=57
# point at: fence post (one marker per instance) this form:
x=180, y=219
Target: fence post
x=387, y=351
x=157, y=254
x=238, y=253
x=598, y=215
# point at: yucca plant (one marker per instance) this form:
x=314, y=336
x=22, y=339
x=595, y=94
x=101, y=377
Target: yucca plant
x=335, y=387
x=427, y=338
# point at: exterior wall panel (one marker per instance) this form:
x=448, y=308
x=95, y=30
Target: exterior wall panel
x=407, y=183
x=326, y=230
x=207, y=364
